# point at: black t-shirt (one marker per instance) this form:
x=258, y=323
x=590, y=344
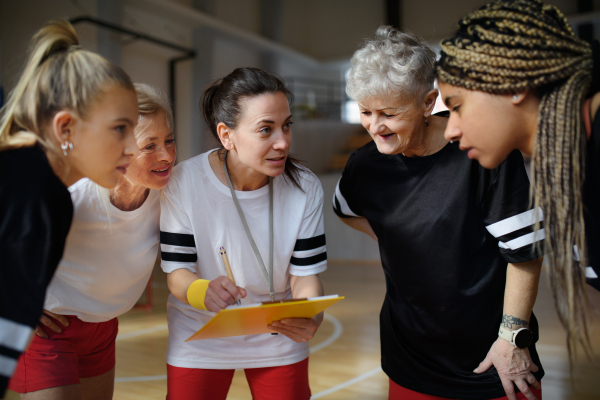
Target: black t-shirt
x=34, y=222
x=591, y=204
x=447, y=229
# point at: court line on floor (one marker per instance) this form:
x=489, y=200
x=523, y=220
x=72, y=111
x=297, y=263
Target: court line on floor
x=141, y=378
x=350, y=382
x=141, y=332
x=338, y=329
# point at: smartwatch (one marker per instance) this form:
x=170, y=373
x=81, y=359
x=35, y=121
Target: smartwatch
x=520, y=338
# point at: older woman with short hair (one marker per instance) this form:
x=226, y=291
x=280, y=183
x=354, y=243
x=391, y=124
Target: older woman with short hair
x=457, y=241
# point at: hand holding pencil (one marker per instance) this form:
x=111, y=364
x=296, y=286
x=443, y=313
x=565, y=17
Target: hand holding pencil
x=223, y=290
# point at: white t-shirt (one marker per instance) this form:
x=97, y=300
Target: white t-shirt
x=105, y=266
x=198, y=216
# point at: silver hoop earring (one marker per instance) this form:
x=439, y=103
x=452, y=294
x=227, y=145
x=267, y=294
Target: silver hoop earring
x=66, y=146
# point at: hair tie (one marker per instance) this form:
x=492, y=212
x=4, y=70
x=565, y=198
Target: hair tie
x=52, y=53
x=595, y=86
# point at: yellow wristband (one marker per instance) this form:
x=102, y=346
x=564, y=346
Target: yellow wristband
x=197, y=292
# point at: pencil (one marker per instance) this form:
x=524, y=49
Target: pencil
x=228, y=269
x=226, y=263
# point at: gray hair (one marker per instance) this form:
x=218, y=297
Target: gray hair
x=394, y=63
x=151, y=101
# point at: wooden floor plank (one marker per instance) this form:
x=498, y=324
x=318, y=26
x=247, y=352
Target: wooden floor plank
x=353, y=354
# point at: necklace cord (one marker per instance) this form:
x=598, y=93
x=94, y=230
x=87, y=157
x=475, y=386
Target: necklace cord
x=267, y=275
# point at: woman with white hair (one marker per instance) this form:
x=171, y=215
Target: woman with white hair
x=457, y=241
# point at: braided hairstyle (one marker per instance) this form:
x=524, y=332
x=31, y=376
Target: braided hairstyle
x=511, y=46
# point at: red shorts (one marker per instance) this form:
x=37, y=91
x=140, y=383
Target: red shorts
x=82, y=350
x=397, y=392
x=289, y=382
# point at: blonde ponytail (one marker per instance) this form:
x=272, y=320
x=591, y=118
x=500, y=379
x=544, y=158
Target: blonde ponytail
x=58, y=75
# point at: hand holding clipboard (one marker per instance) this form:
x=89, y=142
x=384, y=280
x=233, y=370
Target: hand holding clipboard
x=289, y=317
x=254, y=319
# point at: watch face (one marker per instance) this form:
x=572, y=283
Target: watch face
x=523, y=338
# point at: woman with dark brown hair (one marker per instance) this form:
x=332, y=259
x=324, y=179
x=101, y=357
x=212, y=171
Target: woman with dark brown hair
x=251, y=198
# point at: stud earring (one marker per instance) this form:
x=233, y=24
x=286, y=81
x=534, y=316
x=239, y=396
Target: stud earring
x=515, y=97
x=66, y=146
x=452, y=141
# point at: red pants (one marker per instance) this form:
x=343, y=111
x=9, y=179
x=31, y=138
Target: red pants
x=286, y=382
x=82, y=350
x=397, y=392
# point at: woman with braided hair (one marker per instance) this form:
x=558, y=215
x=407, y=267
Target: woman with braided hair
x=515, y=76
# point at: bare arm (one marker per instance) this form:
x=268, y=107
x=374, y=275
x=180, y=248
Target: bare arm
x=307, y=286
x=179, y=281
x=301, y=329
x=221, y=292
x=522, y=281
x=360, y=224
x=514, y=364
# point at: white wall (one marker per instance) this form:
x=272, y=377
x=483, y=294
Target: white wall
x=434, y=19
x=19, y=20
x=330, y=29
x=314, y=34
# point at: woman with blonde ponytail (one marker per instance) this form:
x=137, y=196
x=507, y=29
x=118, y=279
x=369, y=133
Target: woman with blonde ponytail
x=108, y=258
x=515, y=76
x=70, y=116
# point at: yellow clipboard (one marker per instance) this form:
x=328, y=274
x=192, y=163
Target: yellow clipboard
x=253, y=319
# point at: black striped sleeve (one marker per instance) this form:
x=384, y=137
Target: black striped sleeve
x=310, y=243
x=306, y=261
x=177, y=239
x=177, y=247
x=309, y=251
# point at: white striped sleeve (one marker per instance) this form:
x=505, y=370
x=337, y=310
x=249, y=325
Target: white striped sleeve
x=590, y=273
x=517, y=233
x=14, y=338
x=507, y=213
x=340, y=204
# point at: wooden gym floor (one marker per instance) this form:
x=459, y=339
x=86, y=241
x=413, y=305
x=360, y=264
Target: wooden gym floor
x=345, y=355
